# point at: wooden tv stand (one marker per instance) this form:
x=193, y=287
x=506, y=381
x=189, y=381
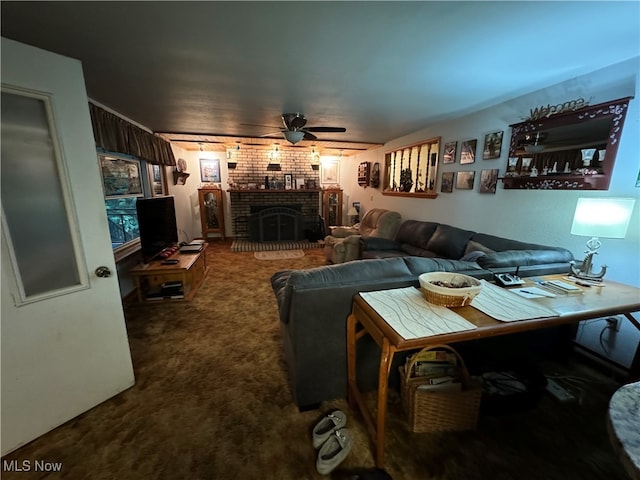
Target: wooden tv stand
x=191, y=270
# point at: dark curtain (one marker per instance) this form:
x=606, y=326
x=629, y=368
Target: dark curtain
x=115, y=134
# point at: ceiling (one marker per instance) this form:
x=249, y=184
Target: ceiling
x=380, y=69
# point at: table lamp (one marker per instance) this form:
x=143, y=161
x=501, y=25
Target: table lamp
x=352, y=213
x=599, y=217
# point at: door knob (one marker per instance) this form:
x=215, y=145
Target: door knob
x=103, y=272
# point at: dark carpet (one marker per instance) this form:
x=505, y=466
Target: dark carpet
x=211, y=401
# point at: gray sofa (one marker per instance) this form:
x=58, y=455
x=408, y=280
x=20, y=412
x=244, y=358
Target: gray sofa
x=492, y=253
x=314, y=304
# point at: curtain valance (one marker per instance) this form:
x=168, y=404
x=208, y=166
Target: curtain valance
x=115, y=134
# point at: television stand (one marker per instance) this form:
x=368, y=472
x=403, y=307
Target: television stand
x=159, y=280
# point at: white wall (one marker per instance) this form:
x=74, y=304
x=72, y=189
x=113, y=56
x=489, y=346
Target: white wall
x=530, y=215
x=186, y=196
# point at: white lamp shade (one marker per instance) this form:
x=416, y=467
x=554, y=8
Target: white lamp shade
x=352, y=212
x=602, y=217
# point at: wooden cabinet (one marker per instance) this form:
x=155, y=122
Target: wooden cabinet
x=158, y=280
x=211, y=211
x=332, y=207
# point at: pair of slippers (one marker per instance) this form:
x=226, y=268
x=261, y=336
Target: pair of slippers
x=334, y=441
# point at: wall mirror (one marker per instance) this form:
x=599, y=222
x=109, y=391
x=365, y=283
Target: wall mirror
x=566, y=151
x=412, y=170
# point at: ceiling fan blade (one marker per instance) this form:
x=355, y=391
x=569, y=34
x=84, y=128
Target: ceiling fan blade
x=309, y=135
x=326, y=129
x=255, y=125
x=274, y=134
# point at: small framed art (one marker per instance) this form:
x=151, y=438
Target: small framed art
x=488, y=180
x=329, y=172
x=446, y=185
x=492, y=145
x=465, y=180
x=288, y=181
x=468, y=151
x=210, y=170
x=450, y=149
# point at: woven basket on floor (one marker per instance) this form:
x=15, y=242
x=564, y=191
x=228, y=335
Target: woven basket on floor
x=434, y=411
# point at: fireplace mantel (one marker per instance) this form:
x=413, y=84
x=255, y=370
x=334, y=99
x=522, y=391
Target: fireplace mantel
x=273, y=190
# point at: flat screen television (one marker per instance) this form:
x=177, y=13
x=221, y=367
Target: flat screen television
x=157, y=225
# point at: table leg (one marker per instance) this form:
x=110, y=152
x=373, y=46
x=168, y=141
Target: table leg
x=351, y=359
x=386, y=357
x=634, y=369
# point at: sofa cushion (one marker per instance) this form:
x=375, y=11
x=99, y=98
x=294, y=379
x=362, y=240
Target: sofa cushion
x=500, y=244
x=378, y=243
x=449, y=242
x=379, y=222
x=519, y=258
x=416, y=233
x=417, y=251
x=418, y=265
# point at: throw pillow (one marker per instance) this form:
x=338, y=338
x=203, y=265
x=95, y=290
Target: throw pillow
x=477, y=247
x=473, y=256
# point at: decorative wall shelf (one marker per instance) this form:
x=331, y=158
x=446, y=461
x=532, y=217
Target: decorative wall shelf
x=411, y=171
x=574, y=150
x=363, y=174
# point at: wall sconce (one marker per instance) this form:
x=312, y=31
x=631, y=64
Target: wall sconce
x=274, y=155
x=315, y=159
x=232, y=160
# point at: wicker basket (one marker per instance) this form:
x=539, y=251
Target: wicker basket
x=446, y=296
x=437, y=411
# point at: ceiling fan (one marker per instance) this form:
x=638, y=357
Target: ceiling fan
x=294, y=128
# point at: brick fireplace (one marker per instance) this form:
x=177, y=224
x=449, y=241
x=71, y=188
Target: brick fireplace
x=305, y=202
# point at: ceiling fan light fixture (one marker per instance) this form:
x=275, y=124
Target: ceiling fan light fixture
x=294, y=136
x=533, y=148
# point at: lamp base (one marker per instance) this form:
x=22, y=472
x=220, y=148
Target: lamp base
x=585, y=272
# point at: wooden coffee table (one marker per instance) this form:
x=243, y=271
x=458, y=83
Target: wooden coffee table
x=595, y=302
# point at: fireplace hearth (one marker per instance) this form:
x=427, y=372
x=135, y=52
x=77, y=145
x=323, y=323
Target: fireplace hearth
x=276, y=224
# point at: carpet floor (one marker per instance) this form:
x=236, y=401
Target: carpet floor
x=212, y=402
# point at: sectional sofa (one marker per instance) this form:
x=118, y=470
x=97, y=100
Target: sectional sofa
x=314, y=304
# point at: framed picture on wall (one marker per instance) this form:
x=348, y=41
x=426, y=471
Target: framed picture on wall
x=158, y=178
x=330, y=172
x=210, y=170
x=449, y=155
x=468, y=151
x=492, y=145
x=120, y=177
x=446, y=185
x=465, y=180
x=488, y=180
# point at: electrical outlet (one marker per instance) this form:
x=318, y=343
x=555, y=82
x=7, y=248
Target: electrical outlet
x=613, y=323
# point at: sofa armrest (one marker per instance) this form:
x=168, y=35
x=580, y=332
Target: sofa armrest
x=282, y=291
x=343, y=232
x=377, y=243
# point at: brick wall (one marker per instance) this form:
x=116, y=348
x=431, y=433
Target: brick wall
x=252, y=165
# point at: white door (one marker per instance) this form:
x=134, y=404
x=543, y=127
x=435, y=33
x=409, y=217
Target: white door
x=63, y=336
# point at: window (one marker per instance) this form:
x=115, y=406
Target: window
x=125, y=179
